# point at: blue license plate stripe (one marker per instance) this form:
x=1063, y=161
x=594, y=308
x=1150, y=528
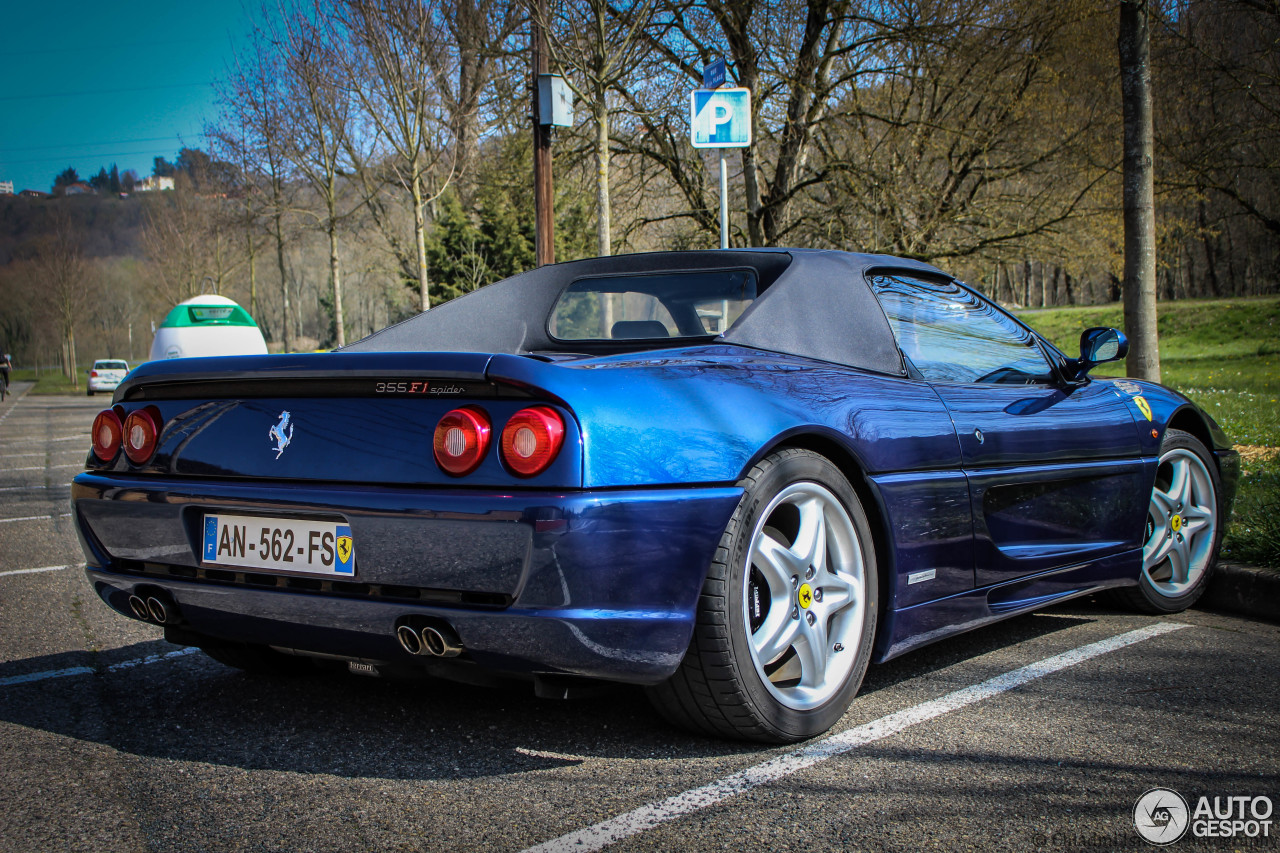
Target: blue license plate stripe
x=210, y=537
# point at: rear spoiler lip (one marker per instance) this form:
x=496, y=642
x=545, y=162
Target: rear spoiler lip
x=462, y=367
x=549, y=380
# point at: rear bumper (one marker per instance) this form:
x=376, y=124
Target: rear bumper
x=599, y=584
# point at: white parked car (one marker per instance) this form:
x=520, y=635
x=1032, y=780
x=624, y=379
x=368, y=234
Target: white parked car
x=105, y=375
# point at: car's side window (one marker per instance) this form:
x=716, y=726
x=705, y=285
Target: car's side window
x=950, y=334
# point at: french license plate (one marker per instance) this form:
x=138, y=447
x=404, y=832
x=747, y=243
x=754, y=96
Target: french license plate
x=279, y=544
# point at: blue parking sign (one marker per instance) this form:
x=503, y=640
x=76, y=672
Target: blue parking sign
x=720, y=118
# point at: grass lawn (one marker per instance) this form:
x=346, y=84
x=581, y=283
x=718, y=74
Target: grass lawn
x=1225, y=355
x=51, y=381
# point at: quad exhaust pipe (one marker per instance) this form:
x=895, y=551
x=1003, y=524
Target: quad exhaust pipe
x=409, y=640
x=153, y=608
x=159, y=613
x=438, y=641
x=441, y=642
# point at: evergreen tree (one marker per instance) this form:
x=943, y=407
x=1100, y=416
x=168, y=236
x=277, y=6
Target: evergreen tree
x=113, y=180
x=65, y=178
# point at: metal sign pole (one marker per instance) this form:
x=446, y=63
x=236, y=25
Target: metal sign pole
x=720, y=118
x=543, y=192
x=724, y=201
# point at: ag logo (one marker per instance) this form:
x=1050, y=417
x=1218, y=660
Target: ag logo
x=1161, y=816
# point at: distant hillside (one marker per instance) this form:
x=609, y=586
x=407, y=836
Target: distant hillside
x=111, y=226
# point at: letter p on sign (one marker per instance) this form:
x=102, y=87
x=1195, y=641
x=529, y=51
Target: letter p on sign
x=720, y=118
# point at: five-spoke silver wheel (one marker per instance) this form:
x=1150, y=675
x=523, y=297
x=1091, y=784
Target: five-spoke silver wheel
x=786, y=616
x=1182, y=523
x=804, y=598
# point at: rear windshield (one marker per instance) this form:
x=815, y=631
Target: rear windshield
x=111, y=365
x=700, y=303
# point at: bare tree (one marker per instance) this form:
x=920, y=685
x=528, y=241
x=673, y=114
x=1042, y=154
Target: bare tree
x=175, y=239
x=1139, y=194
x=1220, y=129
x=941, y=150
x=599, y=49
x=253, y=97
x=398, y=71
x=63, y=276
x=787, y=53
x=319, y=127
x=246, y=208
x=478, y=30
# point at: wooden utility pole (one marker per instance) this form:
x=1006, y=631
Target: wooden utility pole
x=543, y=194
x=1139, y=194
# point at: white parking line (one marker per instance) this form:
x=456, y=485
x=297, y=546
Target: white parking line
x=648, y=816
x=14, y=404
x=42, y=467
x=42, y=569
x=555, y=756
x=35, y=518
x=87, y=670
x=42, y=454
x=85, y=437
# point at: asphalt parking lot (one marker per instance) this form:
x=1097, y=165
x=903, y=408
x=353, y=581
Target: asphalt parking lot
x=1038, y=733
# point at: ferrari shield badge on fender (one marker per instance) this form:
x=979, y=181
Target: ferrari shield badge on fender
x=1144, y=406
x=281, y=434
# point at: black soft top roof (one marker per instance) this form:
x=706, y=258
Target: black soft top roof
x=811, y=303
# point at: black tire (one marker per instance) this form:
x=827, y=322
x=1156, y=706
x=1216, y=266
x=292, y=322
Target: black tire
x=259, y=660
x=1155, y=593
x=720, y=688
x=88, y=392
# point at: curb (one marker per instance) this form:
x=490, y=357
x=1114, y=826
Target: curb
x=1246, y=590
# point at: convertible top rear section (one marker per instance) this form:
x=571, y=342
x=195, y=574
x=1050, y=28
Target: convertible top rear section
x=810, y=303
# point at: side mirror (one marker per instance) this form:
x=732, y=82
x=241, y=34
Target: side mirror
x=1098, y=346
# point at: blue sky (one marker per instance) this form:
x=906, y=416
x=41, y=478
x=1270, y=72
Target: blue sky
x=85, y=84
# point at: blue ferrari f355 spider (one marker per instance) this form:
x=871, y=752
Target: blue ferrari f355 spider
x=733, y=477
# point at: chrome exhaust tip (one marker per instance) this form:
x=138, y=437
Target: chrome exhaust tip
x=442, y=643
x=409, y=640
x=139, y=607
x=159, y=613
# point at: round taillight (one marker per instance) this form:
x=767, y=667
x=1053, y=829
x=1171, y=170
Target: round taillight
x=141, y=430
x=531, y=440
x=107, y=435
x=461, y=440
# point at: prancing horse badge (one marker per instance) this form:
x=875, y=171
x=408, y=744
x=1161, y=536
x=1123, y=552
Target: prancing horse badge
x=281, y=433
